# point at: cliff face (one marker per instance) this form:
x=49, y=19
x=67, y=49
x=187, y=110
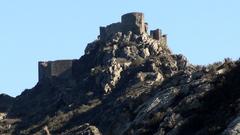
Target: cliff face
x=129, y=82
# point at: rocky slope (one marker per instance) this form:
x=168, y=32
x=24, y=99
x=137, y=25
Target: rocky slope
x=129, y=82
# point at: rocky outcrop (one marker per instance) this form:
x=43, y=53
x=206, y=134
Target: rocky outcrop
x=85, y=129
x=233, y=128
x=129, y=82
x=5, y=102
x=124, y=51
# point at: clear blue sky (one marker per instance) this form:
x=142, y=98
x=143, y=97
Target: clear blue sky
x=33, y=30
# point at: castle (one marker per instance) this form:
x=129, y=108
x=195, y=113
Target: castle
x=133, y=22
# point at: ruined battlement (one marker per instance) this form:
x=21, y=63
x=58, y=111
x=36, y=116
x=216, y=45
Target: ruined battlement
x=133, y=22
x=52, y=69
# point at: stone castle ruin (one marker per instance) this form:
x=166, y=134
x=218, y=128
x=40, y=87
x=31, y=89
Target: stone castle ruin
x=55, y=69
x=131, y=22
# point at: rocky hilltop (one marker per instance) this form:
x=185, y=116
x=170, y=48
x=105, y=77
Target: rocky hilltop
x=128, y=82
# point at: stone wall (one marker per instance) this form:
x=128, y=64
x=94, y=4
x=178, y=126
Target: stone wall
x=50, y=69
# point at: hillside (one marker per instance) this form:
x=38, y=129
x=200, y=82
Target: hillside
x=128, y=82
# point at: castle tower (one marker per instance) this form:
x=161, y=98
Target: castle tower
x=134, y=22
x=156, y=34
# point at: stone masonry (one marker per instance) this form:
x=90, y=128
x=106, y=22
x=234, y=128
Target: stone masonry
x=156, y=34
x=50, y=69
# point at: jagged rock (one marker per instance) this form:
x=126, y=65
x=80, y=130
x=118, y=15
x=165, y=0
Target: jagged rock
x=2, y=116
x=182, y=62
x=117, y=37
x=112, y=75
x=46, y=130
x=149, y=76
x=127, y=37
x=145, y=53
x=233, y=128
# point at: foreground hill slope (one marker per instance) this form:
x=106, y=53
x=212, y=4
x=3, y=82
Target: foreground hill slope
x=129, y=82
